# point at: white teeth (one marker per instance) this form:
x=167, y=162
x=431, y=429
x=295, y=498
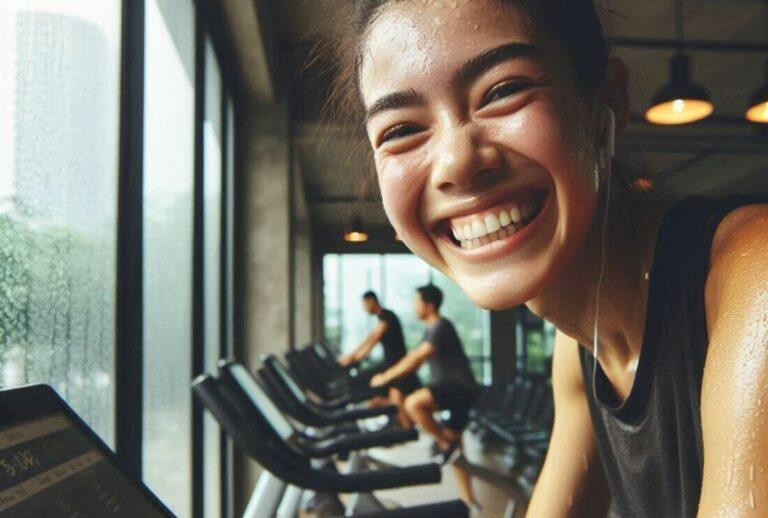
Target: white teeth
x=493, y=227
x=504, y=218
x=492, y=223
x=478, y=229
x=467, y=231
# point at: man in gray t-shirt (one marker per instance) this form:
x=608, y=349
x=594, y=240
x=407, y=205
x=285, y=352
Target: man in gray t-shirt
x=449, y=364
x=452, y=386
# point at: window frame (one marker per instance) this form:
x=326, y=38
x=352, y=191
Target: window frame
x=129, y=344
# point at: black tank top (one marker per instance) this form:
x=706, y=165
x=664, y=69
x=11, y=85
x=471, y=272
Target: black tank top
x=392, y=340
x=651, y=445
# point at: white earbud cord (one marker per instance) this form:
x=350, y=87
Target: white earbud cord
x=595, y=342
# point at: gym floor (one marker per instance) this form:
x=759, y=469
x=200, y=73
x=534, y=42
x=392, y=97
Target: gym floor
x=492, y=491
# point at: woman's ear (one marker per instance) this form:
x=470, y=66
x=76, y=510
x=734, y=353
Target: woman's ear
x=616, y=93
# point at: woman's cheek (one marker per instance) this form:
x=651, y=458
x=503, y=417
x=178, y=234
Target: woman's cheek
x=400, y=192
x=547, y=134
x=402, y=183
x=539, y=134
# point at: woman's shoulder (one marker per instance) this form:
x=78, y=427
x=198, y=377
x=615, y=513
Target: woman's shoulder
x=740, y=229
x=738, y=262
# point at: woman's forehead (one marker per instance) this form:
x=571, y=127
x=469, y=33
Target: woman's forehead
x=411, y=41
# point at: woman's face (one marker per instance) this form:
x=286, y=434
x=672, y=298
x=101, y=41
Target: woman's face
x=483, y=148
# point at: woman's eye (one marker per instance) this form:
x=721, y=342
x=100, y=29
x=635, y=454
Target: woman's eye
x=504, y=90
x=399, y=131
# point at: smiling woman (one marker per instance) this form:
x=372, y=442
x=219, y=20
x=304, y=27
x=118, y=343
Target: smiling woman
x=511, y=63
x=491, y=125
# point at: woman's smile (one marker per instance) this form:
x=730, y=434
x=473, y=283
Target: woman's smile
x=498, y=229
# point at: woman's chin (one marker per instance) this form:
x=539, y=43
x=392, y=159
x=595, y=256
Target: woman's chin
x=497, y=294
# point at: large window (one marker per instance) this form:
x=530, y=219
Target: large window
x=59, y=104
x=169, y=151
x=116, y=227
x=395, y=277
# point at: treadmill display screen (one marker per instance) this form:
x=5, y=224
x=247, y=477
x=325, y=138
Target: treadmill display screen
x=50, y=467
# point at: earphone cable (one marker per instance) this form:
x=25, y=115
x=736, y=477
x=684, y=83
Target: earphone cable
x=604, y=231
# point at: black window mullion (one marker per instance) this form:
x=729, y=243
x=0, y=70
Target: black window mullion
x=226, y=450
x=198, y=280
x=129, y=304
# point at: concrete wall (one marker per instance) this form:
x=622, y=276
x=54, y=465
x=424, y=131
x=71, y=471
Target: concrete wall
x=301, y=260
x=267, y=232
x=274, y=252
x=263, y=225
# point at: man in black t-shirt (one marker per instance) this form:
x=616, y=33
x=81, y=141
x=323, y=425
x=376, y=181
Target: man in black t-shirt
x=452, y=386
x=389, y=333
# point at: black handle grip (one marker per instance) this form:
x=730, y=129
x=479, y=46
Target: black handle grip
x=389, y=478
x=361, y=441
x=354, y=395
x=452, y=509
x=367, y=393
x=363, y=413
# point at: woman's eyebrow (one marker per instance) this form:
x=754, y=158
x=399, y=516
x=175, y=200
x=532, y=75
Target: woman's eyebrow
x=467, y=73
x=488, y=59
x=403, y=99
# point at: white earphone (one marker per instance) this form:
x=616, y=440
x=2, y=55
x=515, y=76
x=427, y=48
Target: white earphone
x=605, y=157
x=610, y=139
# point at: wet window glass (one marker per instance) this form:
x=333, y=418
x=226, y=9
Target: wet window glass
x=168, y=238
x=59, y=100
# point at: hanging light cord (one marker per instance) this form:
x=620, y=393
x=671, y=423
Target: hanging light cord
x=679, y=27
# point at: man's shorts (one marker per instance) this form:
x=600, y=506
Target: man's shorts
x=458, y=399
x=407, y=384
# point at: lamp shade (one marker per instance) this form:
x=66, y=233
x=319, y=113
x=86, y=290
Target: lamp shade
x=758, y=106
x=681, y=101
x=355, y=233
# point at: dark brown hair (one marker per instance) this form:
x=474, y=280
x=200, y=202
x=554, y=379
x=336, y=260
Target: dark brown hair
x=574, y=24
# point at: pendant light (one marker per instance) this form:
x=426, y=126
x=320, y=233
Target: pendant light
x=355, y=233
x=758, y=105
x=681, y=101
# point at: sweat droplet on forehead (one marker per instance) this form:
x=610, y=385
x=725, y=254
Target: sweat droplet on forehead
x=408, y=40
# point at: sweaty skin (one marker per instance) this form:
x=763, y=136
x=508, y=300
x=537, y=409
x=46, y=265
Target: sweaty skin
x=459, y=128
x=735, y=386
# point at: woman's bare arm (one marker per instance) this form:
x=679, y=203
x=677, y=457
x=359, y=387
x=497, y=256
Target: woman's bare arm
x=734, y=394
x=572, y=482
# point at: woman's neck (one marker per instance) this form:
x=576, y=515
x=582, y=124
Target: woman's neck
x=570, y=302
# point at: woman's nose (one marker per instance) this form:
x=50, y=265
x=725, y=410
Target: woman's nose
x=464, y=161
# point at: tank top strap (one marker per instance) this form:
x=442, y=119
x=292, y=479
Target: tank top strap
x=678, y=276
